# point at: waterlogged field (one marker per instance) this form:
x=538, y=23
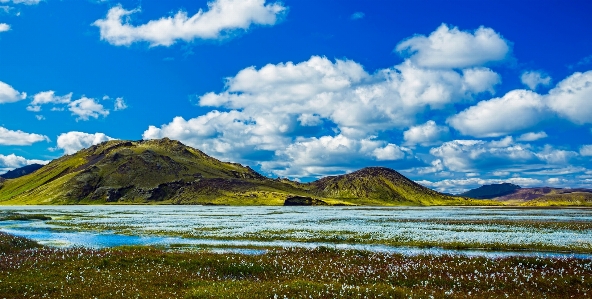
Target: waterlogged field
x=294, y=252
x=376, y=229
x=144, y=272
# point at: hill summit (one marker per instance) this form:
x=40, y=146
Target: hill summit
x=166, y=171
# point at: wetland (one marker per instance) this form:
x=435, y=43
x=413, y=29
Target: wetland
x=294, y=252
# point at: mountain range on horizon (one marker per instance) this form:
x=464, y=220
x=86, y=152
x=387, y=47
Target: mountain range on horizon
x=513, y=194
x=164, y=171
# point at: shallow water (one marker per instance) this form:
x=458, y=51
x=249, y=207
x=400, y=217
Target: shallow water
x=364, y=228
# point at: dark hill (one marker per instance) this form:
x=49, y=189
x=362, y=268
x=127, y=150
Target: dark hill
x=19, y=172
x=491, y=191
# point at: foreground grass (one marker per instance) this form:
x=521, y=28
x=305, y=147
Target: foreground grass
x=27, y=271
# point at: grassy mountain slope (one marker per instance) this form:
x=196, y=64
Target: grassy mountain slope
x=166, y=171
x=141, y=172
x=379, y=185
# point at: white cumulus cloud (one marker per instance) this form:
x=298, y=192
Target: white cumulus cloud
x=9, y=137
x=571, y=98
x=331, y=154
x=500, y=155
x=4, y=27
x=9, y=94
x=532, y=136
x=586, y=150
x=452, y=48
x=343, y=93
x=221, y=17
x=268, y=113
x=426, y=134
x=86, y=108
x=72, y=142
x=119, y=104
x=48, y=97
x=516, y=110
x=12, y=161
x=533, y=79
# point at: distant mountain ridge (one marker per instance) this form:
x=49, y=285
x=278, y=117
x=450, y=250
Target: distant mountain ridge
x=165, y=171
x=19, y=172
x=538, y=196
x=491, y=191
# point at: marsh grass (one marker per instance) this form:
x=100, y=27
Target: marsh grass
x=22, y=217
x=361, y=238
x=28, y=271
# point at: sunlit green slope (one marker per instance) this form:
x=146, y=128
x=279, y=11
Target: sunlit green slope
x=167, y=172
x=383, y=186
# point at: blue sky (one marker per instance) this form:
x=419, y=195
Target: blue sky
x=452, y=94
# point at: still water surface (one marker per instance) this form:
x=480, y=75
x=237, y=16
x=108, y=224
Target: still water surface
x=366, y=228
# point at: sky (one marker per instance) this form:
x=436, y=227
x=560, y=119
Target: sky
x=452, y=94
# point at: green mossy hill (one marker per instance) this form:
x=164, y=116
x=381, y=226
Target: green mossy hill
x=165, y=171
x=382, y=185
x=152, y=171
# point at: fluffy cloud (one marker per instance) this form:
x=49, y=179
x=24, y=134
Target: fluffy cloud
x=8, y=137
x=4, y=27
x=9, y=94
x=532, y=79
x=522, y=109
x=72, y=142
x=475, y=155
x=226, y=135
x=310, y=157
x=457, y=186
x=426, y=134
x=86, y=108
x=119, y=104
x=571, y=98
x=516, y=110
x=586, y=150
x=500, y=155
x=221, y=17
x=437, y=88
x=271, y=111
x=12, y=161
x=452, y=48
x=532, y=136
x=48, y=97
x=344, y=94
